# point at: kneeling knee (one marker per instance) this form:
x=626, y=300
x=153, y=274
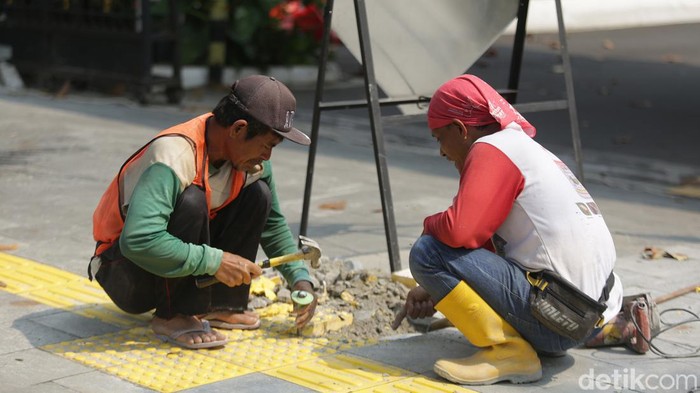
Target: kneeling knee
x=261, y=195
x=193, y=199
x=420, y=255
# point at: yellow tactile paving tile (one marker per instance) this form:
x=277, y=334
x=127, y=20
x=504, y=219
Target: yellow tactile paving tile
x=137, y=356
x=111, y=314
x=21, y=275
x=417, y=385
x=270, y=351
x=64, y=290
x=339, y=373
x=78, y=292
x=282, y=322
x=177, y=371
x=110, y=349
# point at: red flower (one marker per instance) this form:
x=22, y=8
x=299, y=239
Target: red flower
x=308, y=19
x=284, y=13
x=292, y=14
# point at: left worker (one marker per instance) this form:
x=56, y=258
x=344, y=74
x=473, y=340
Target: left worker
x=197, y=201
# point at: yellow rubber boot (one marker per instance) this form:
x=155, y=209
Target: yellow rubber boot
x=504, y=354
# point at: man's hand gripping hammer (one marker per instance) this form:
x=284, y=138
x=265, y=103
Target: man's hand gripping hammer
x=309, y=251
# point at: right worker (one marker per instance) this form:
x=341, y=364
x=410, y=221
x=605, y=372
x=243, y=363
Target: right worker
x=519, y=211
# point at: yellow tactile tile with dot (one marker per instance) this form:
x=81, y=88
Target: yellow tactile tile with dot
x=178, y=371
x=340, y=373
x=275, y=309
x=279, y=320
x=137, y=356
x=111, y=314
x=267, y=352
x=240, y=335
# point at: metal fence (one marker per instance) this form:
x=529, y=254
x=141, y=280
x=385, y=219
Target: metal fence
x=95, y=40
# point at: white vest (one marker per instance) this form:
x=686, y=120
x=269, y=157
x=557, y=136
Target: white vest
x=554, y=223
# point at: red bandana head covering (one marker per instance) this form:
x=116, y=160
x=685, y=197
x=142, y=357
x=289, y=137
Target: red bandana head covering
x=472, y=101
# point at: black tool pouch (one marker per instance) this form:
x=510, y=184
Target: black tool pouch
x=563, y=308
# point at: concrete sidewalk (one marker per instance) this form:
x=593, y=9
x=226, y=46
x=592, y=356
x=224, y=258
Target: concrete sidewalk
x=59, y=334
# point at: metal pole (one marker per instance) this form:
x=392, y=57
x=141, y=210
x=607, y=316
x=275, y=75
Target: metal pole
x=371, y=90
x=175, y=16
x=218, y=20
x=516, y=59
x=320, y=80
x=146, y=48
x=569, y=81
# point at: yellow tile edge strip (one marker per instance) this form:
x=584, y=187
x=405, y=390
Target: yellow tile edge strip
x=340, y=373
x=63, y=290
x=417, y=385
x=349, y=373
x=21, y=275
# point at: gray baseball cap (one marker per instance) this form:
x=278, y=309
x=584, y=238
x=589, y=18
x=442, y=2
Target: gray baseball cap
x=270, y=102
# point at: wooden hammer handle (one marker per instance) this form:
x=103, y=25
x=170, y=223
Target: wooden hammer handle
x=675, y=294
x=276, y=261
x=272, y=262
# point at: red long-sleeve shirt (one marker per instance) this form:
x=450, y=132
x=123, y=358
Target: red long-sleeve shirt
x=488, y=187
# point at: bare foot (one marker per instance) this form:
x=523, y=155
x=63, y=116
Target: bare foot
x=168, y=327
x=233, y=320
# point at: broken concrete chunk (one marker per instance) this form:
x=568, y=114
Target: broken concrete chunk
x=658, y=253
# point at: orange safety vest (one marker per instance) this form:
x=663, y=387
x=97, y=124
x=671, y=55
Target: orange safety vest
x=108, y=220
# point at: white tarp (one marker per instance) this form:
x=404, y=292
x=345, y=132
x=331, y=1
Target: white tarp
x=593, y=15
x=417, y=45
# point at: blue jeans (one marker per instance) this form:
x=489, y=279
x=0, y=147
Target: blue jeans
x=502, y=284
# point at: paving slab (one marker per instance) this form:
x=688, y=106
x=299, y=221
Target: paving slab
x=75, y=325
x=19, y=331
x=30, y=367
x=252, y=383
x=418, y=353
x=98, y=382
x=46, y=387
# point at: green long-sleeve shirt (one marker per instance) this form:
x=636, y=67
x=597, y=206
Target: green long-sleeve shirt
x=146, y=242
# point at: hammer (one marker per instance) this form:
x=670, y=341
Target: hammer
x=309, y=251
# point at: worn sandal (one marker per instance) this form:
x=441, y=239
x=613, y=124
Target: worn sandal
x=236, y=326
x=206, y=328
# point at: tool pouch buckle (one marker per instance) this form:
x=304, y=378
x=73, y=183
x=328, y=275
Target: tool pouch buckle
x=562, y=307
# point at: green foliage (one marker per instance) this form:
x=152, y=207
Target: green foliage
x=194, y=33
x=254, y=38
